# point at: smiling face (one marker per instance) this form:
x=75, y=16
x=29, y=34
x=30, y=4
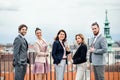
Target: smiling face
x=38, y=34
x=95, y=30
x=61, y=36
x=79, y=40
x=23, y=31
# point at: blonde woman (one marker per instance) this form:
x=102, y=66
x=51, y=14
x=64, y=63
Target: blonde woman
x=79, y=58
x=41, y=66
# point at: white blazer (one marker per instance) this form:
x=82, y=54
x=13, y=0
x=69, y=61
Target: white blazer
x=40, y=55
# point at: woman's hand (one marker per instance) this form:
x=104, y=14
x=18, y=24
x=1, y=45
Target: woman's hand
x=67, y=48
x=69, y=57
x=46, y=54
x=71, y=61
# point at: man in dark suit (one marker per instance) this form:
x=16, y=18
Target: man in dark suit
x=20, y=53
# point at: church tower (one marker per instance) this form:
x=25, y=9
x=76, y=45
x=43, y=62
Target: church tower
x=107, y=33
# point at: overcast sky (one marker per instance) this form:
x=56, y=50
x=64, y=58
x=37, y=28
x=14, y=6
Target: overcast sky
x=74, y=16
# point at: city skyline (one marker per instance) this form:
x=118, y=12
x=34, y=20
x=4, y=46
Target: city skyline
x=74, y=16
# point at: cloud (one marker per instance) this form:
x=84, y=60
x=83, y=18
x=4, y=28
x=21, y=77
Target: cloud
x=8, y=5
x=75, y=16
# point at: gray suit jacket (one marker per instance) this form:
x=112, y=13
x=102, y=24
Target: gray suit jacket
x=98, y=57
x=20, y=51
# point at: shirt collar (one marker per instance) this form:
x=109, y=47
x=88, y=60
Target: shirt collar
x=97, y=35
x=60, y=41
x=79, y=44
x=22, y=36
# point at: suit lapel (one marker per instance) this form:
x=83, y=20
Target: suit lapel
x=97, y=39
x=23, y=40
x=60, y=44
x=92, y=40
x=79, y=47
x=26, y=42
x=39, y=44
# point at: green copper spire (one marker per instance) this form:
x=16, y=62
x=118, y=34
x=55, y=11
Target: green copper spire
x=106, y=17
x=107, y=33
x=106, y=20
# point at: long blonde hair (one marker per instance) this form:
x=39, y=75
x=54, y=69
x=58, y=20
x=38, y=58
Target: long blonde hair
x=82, y=37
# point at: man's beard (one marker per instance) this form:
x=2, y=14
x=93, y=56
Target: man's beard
x=23, y=34
x=96, y=33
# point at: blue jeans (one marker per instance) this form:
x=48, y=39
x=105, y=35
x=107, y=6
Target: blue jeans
x=60, y=70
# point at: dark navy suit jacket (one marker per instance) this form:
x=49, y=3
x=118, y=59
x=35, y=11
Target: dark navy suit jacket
x=58, y=52
x=80, y=55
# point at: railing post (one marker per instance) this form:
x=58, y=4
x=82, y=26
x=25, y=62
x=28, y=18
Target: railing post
x=67, y=70
x=50, y=67
x=33, y=63
x=114, y=65
x=0, y=67
x=108, y=65
x=8, y=66
x=4, y=66
x=29, y=65
x=90, y=71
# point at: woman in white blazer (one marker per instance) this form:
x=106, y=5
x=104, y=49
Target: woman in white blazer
x=41, y=66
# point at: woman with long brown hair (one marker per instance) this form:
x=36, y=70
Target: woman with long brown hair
x=59, y=54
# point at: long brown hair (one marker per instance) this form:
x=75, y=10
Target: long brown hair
x=82, y=37
x=57, y=38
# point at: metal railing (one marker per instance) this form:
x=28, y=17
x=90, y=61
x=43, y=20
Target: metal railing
x=112, y=68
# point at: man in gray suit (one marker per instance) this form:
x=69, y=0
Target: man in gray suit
x=20, y=53
x=97, y=50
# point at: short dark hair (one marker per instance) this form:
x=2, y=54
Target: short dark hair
x=37, y=29
x=57, y=38
x=95, y=23
x=21, y=26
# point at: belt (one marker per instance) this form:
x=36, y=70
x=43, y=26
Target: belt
x=42, y=55
x=64, y=58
